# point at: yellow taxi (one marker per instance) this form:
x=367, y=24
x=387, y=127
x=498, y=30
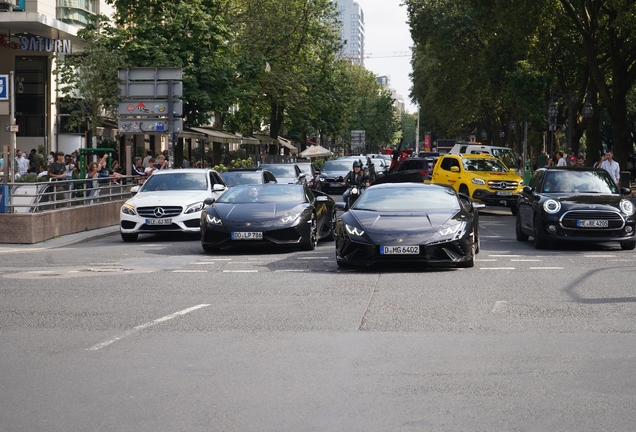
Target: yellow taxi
x=482, y=177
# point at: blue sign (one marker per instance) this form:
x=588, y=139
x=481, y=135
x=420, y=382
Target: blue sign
x=4, y=198
x=4, y=87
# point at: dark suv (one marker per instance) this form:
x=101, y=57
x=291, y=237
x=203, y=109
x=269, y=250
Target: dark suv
x=411, y=170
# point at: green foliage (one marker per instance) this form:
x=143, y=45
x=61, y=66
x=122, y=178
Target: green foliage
x=318, y=164
x=236, y=163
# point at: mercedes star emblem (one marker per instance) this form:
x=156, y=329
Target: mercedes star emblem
x=159, y=212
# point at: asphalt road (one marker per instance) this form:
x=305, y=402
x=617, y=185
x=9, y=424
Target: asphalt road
x=158, y=335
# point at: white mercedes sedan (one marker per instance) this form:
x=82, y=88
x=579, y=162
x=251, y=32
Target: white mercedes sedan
x=170, y=200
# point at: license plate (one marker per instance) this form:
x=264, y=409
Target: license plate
x=158, y=221
x=592, y=223
x=504, y=193
x=247, y=236
x=399, y=250
x=335, y=184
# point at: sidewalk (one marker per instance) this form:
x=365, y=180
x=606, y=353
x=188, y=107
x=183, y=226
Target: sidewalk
x=62, y=241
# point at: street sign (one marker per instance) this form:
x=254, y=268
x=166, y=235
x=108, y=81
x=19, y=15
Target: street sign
x=150, y=74
x=149, y=126
x=14, y=128
x=157, y=108
x=4, y=87
x=149, y=89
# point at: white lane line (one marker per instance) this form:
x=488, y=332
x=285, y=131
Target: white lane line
x=189, y=271
x=546, y=268
x=504, y=256
x=240, y=271
x=42, y=271
x=499, y=305
x=486, y=260
x=145, y=326
x=310, y=258
x=493, y=236
x=526, y=260
x=599, y=256
x=290, y=270
x=496, y=268
x=204, y=263
x=245, y=262
x=622, y=260
x=221, y=259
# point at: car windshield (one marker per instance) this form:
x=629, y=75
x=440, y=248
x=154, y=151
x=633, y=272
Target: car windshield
x=407, y=199
x=336, y=165
x=268, y=194
x=596, y=182
x=176, y=181
x=507, y=156
x=282, y=170
x=241, y=178
x=488, y=165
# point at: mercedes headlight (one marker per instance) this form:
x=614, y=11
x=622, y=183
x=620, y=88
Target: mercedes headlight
x=193, y=208
x=354, y=231
x=627, y=207
x=551, y=206
x=289, y=218
x=128, y=209
x=478, y=181
x=213, y=220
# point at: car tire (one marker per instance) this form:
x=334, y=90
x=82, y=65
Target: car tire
x=332, y=234
x=312, y=239
x=209, y=248
x=628, y=245
x=463, y=189
x=129, y=238
x=521, y=236
x=540, y=242
x=471, y=262
x=514, y=210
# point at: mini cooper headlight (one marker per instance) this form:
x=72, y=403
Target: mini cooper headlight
x=551, y=206
x=193, y=208
x=128, y=209
x=289, y=218
x=354, y=231
x=214, y=220
x=627, y=207
x=478, y=181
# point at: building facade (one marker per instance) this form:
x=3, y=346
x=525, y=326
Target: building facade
x=352, y=32
x=31, y=31
x=398, y=100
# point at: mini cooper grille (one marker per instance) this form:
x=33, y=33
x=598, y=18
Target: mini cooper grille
x=503, y=185
x=159, y=212
x=569, y=219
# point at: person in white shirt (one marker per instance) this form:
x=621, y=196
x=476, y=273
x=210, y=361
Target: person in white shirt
x=150, y=168
x=561, y=160
x=612, y=167
x=147, y=159
x=23, y=162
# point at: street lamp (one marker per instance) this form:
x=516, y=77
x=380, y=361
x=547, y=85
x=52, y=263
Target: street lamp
x=570, y=99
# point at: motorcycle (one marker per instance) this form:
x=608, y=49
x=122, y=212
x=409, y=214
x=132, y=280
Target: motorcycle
x=351, y=195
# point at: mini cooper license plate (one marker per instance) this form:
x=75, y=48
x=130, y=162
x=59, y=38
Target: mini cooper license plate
x=592, y=223
x=247, y=236
x=158, y=221
x=399, y=250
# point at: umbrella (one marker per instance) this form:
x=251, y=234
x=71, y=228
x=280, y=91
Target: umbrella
x=315, y=151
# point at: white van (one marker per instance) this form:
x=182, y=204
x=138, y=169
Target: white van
x=504, y=154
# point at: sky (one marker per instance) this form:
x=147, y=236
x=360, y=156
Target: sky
x=387, y=32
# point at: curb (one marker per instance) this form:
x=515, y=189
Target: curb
x=67, y=240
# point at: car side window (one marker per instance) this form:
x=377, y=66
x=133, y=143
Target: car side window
x=447, y=163
x=536, y=180
x=216, y=179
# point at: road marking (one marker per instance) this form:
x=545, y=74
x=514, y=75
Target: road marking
x=189, y=271
x=504, y=256
x=526, y=260
x=310, y=258
x=546, y=268
x=599, y=256
x=493, y=236
x=145, y=326
x=204, y=263
x=496, y=268
x=244, y=262
x=240, y=271
x=499, y=305
x=290, y=270
x=486, y=260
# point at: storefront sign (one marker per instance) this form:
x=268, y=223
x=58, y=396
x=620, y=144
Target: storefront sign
x=34, y=43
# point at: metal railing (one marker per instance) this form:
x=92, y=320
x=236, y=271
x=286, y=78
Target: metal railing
x=53, y=195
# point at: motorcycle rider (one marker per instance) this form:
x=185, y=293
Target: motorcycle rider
x=356, y=177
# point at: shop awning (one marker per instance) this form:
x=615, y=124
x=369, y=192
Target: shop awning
x=218, y=136
x=288, y=144
x=266, y=139
x=248, y=140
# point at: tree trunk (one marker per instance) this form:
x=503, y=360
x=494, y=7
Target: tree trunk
x=593, y=131
x=620, y=128
x=275, y=122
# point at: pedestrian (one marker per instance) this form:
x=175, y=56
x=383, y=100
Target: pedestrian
x=612, y=167
x=550, y=162
x=150, y=168
x=543, y=159
x=146, y=159
x=600, y=161
x=138, y=171
x=22, y=163
x=561, y=160
x=161, y=162
x=580, y=161
x=57, y=170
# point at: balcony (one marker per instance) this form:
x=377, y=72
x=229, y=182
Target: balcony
x=76, y=12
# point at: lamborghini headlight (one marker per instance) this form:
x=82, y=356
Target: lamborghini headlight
x=354, y=231
x=213, y=220
x=193, y=208
x=289, y=218
x=128, y=209
x=627, y=207
x=451, y=230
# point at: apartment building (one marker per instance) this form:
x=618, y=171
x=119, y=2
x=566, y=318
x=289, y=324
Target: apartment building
x=30, y=32
x=351, y=16
x=398, y=100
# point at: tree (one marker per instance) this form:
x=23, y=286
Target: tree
x=88, y=79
